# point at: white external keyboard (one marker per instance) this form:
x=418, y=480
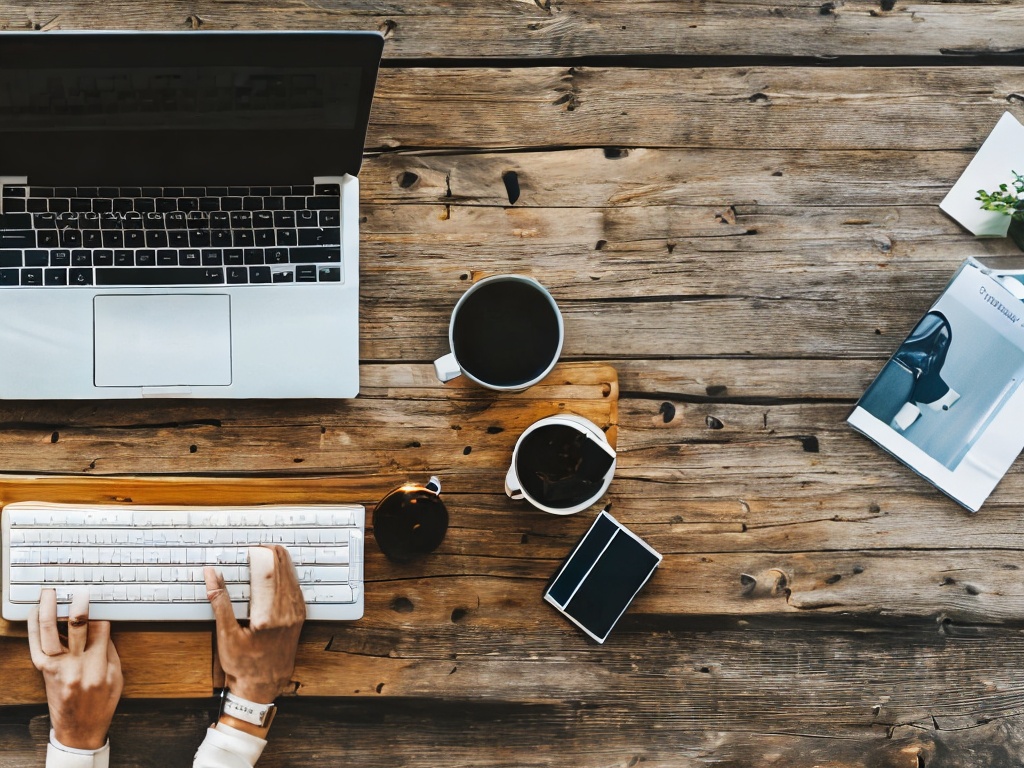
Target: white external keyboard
x=145, y=563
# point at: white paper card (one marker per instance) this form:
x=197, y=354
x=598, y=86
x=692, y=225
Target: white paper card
x=1002, y=153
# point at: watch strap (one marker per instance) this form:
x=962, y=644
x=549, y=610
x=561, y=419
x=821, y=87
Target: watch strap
x=245, y=710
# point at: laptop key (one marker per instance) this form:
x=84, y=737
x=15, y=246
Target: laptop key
x=259, y=274
x=60, y=259
x=240, y=238
x=81, y=258
x=283, y=277
x=15, y=220
x=37, y=258
x=284, y=219
x=32, y=277
x=124, y=259
x=10, y=258
x=80, y=277
x=220, y=237
x=238, y=275
x=287, y=237
x=15, y=205
x=103, y=258
x=113, y=239
x=233, y=256
x=276, y=255
x=305, y=273
x=320, y=203
x=307, y=219
x=177, y=238
x=253, y=255
x=134, y=238
x=160, y=276
x=313, y=255
x=15, y=192
x=330, y=218
x=212, y=257
x=330, y=274
x=264, y=237
x=156, y=238
x=42, y=221
x=327, y=190
x=17, y=238
x=48, y=238
x=146, y=258
x=190, y=258
x=91, y=238
x=167, y=258
x=330, y=236
x=10, y=277
x=56, y=276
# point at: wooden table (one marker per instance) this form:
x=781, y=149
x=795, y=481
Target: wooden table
x=735, y=205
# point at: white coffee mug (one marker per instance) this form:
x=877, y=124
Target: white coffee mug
x=505, y=333
x=590, y=431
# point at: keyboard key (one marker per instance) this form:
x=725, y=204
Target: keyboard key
x=81, y=258
x=14, y=205
x=287, y=237
x=44, y=220
x=13, y=191
x=160, y=276
x=120, y=205
x=220, y=237
x=35, y=205
x=132, y=220
x=253, y=255
x=167, y=258
x=177, y=238
x=17, y=238
x=113, y=239
x=103, y=258
x=134, y=238
x=92, y=238
x=176, y=220
x=9, y=277
x=112, y=221
x=145, y=258
x=330, y=218
x=199, y=238
x=234, y=256
x=238, y=275
x=283, y=277
x=124, y=259
x=240, y=238
x=307, y=219
x=320, y=203
x=319, y=236
x=10, y=258
x=241, y=220
x=305, y=273
x=166, y=204
x=37, y=258
x=32, y=277
x=212, y=257
x=56, y=276
x=72, y=238
x=156, y=238
x=60, y=258
x=276, y=255
x=274, y=203
x=329, y=274
x=15, y=220
x=59, y=205
x=153, y=221
x=313, y=255
x=81, y=204
x=48, y=238
x=231, y=203
x=284, y=219
x=264, y=237
x=294, y=203
x=209, y=203
x=252, y=203
x=259, y=274
x=190, y=258
x=80, y=277
x=327, y=190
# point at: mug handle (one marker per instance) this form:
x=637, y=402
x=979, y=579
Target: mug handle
x=447, y=368
x=512, y=489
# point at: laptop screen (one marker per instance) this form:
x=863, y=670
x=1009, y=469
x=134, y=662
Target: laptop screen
x=184, y=108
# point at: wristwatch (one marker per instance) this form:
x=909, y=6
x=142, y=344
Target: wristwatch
x=259, y=715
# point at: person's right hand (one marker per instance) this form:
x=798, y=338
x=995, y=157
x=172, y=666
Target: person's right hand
x=258, y=660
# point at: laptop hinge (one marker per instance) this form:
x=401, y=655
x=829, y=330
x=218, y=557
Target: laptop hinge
x=12, y=181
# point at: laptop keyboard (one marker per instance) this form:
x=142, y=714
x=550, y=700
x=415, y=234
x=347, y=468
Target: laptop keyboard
x=142, y=236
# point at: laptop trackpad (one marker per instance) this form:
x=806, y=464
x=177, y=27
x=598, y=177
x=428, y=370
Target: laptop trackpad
x=162, y=341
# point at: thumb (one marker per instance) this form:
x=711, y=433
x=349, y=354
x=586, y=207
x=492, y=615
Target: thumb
x=220, y=601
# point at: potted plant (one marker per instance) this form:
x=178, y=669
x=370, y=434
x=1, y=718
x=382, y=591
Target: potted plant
x=1009, y=203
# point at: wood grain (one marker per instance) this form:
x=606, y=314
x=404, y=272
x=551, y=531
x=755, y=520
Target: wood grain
x=546, y=28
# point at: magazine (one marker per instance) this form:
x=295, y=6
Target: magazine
x=949, y=403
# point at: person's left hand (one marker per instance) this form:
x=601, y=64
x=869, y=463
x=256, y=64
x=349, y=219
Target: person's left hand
x=83, y=678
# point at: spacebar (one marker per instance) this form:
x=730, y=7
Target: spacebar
x=159, y=276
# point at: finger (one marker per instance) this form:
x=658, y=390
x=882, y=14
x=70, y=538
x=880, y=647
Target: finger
x=99, y=636
x=263, y=579
x=49, y=640
x=220, y=601
x=290, y=601
x=34, y=646
x=78, y=622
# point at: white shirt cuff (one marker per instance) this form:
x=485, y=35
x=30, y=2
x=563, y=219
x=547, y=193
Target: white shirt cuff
x=227, y=747
x=59, y=756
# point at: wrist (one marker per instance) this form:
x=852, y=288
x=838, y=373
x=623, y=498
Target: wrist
x=75, y=740
x=250, y=716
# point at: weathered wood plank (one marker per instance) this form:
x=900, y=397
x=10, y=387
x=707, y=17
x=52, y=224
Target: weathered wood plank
x=156, y=665
x=594, y=28
x=758, y=108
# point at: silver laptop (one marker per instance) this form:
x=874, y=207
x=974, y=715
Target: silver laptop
x=179, y=213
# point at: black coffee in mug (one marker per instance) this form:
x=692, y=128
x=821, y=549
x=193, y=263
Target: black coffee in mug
x=506, y=333
x=560, y=467
x=410, y=521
